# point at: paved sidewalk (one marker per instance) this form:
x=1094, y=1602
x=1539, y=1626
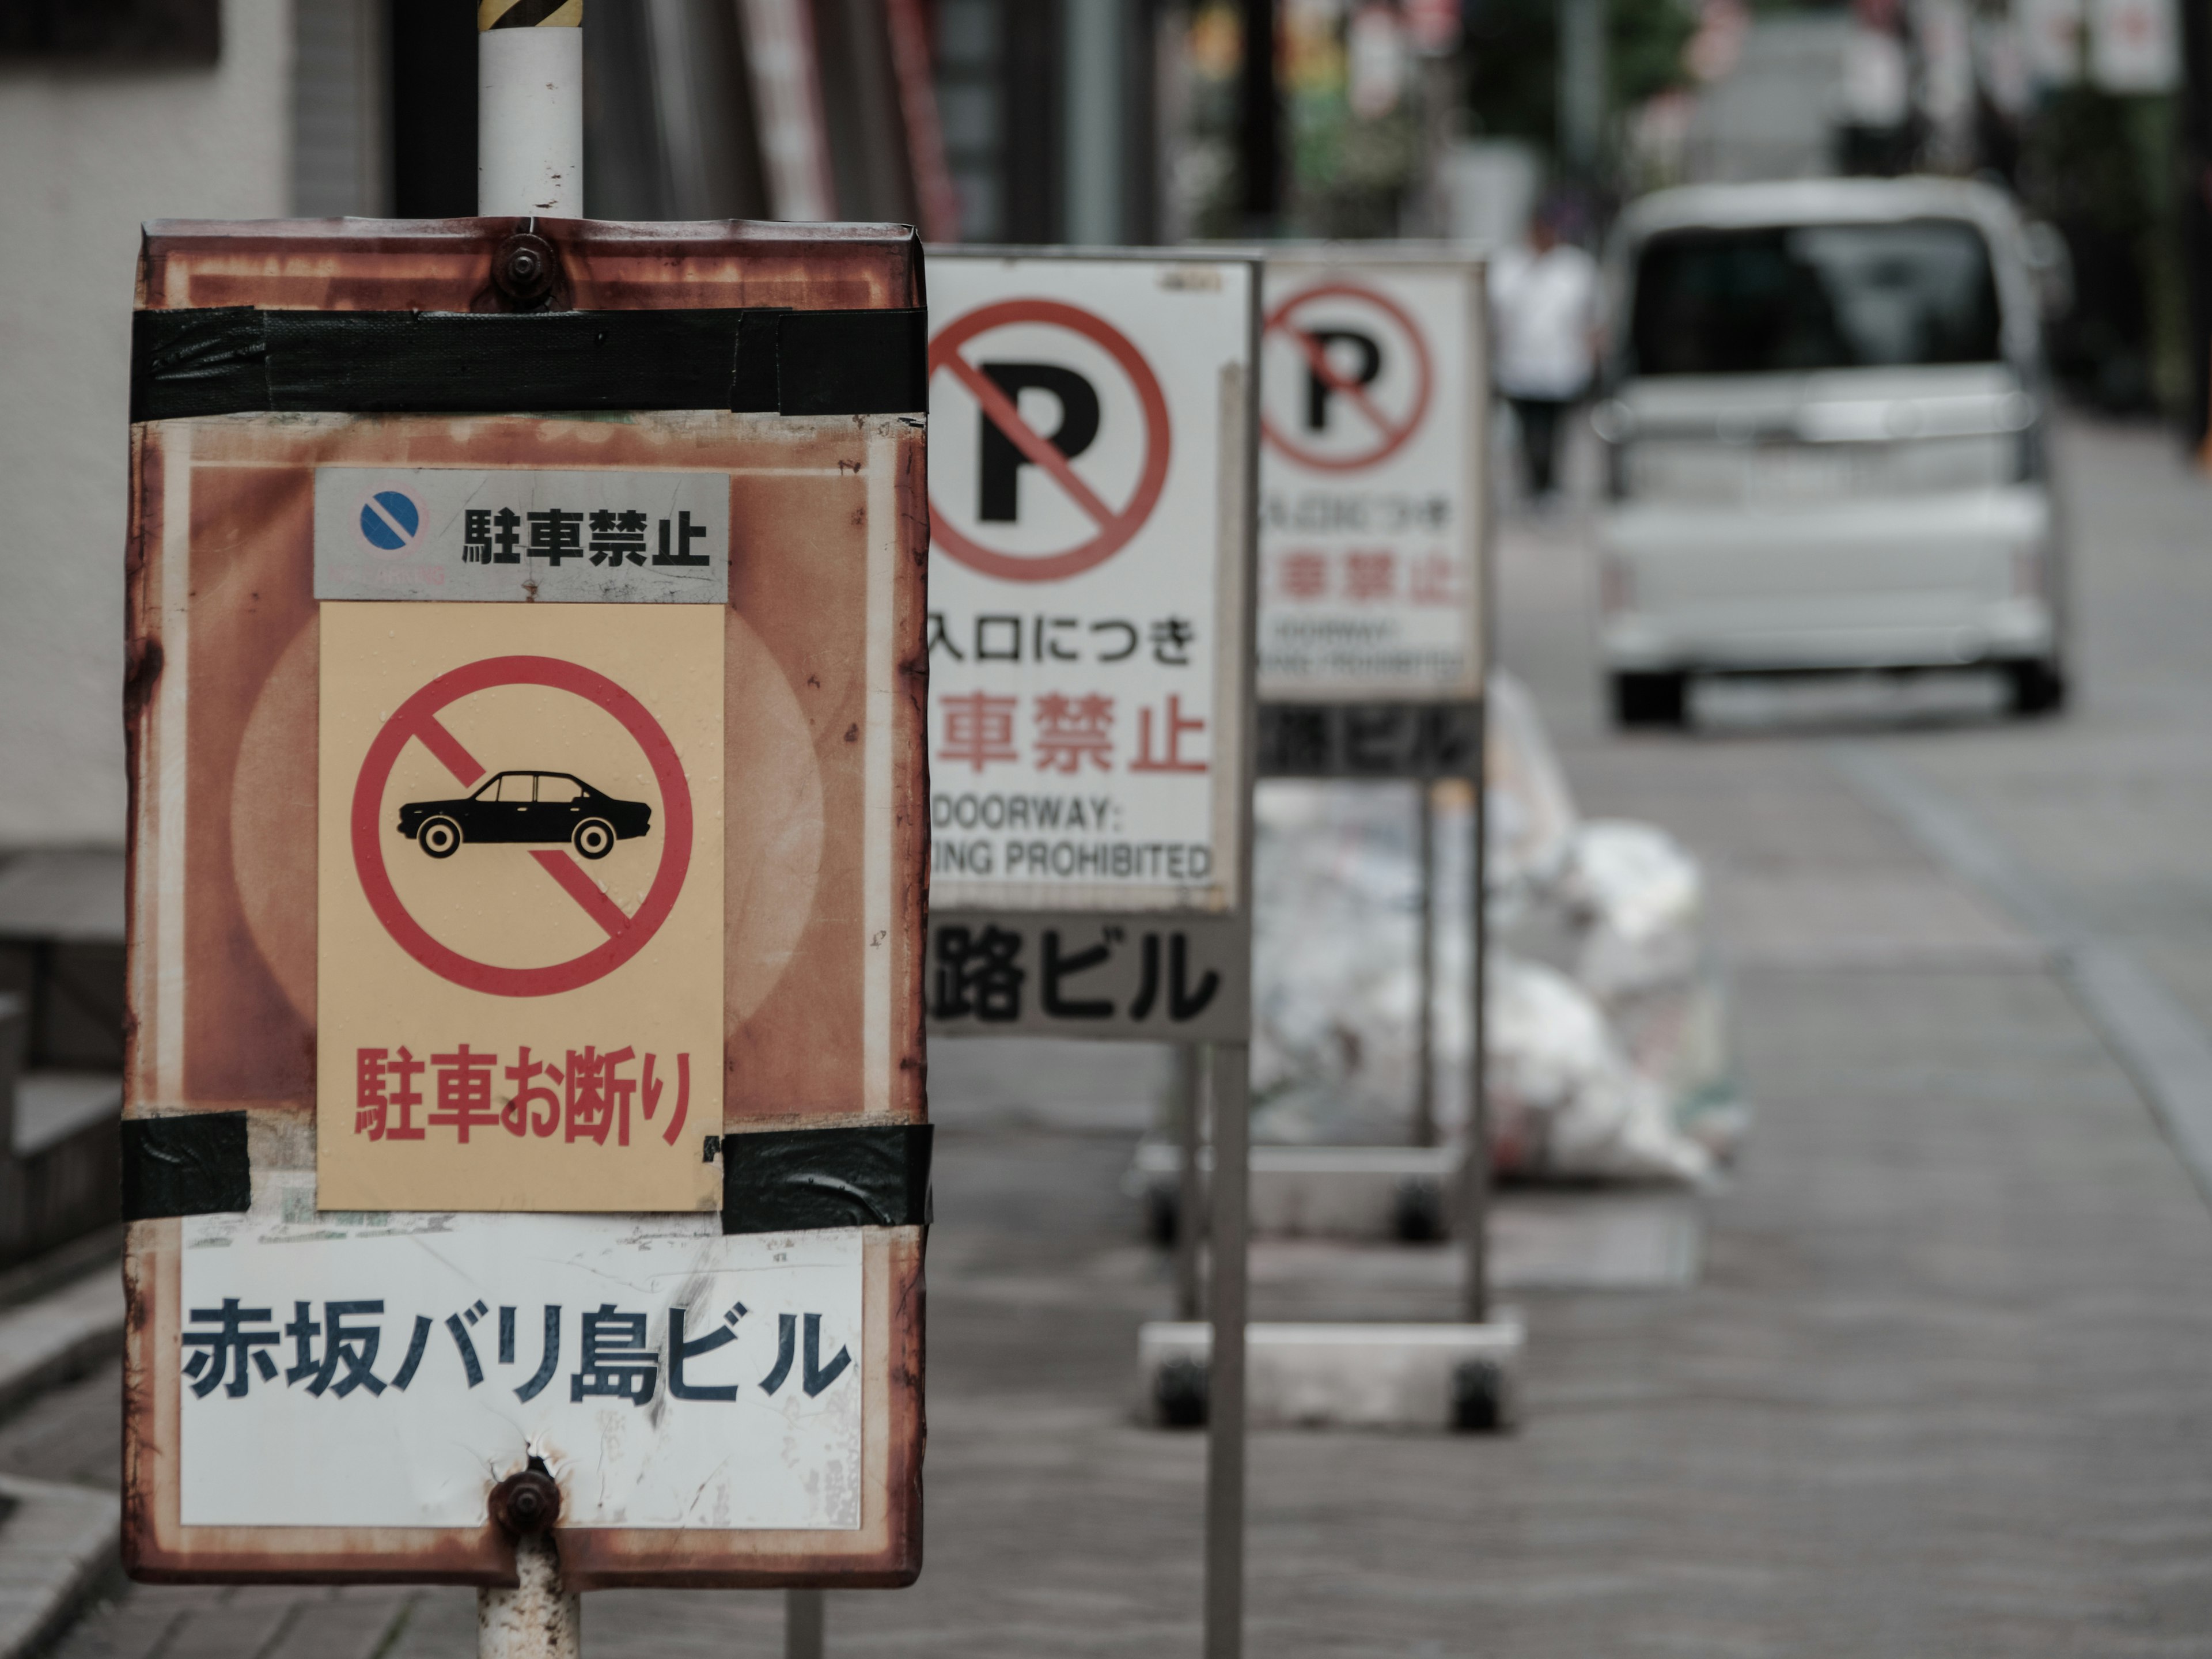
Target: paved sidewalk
x=1946, y=1386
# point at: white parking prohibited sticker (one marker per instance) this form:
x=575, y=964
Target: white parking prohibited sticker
x=383, y=1371
x=448, y=534
x=1086, y=580
x=1373, y=386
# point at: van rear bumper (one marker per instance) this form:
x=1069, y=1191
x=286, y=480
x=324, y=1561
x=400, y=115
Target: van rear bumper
x=1919, y=581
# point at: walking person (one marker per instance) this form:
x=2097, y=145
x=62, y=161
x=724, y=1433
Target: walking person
x=1543, y=302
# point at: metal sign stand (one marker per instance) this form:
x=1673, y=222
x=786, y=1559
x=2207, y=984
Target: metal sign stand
x=1325, y=719
x=1156, y=971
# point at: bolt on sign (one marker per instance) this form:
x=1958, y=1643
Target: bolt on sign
x=1090, y=494
x=529, y=849
x=1373, y=518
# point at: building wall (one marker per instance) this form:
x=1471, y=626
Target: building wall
x=341, y=109
x=90, y=152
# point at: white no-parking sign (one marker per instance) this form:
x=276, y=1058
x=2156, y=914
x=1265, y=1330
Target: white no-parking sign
x=1373, y=393
x=1087, y=580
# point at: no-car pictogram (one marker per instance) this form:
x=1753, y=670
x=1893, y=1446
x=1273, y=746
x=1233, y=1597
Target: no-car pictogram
x=1052, y=454
x=416, y=720
x=1384, y=329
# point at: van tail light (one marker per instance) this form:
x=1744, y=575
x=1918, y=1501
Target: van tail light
x=1616, y=586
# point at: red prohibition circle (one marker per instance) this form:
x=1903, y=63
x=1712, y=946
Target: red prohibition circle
x=1392, y=437
x=1115, y=528
x=419, y=715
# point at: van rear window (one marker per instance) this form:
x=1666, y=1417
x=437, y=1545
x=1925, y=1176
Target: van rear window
x=1800, y=297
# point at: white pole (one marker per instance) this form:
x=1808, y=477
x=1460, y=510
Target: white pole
x=535, y=1619
x=529, y=108
x=530, y=162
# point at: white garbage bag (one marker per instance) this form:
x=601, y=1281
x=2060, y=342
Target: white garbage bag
x=1529, y=832
x=1335, y=981
x=1635, y=897
x=1565, y=1097
x=1612, y=1064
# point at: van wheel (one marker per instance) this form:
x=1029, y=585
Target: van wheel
x=2038, y=688
x=1650, y=699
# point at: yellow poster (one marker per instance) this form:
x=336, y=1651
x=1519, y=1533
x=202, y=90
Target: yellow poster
x=519, y=955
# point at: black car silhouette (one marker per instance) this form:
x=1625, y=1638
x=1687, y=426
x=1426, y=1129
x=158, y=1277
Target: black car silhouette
x=527, y=806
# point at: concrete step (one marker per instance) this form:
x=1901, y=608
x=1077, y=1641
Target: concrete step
x=57, y=1544
x=51, y=1106
x=59, y=1335
x=61, y=950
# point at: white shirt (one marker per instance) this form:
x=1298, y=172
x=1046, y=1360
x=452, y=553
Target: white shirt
x=1545, y=309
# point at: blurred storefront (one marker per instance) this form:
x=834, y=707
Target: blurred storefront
x=1024, y=121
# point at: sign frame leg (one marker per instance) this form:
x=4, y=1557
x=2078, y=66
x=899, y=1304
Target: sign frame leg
x=1188, y=1087
x=1231, y=1069
x=1474, y=1165
x=1425, y=1029
x=805, y=1617
x=536, y=1620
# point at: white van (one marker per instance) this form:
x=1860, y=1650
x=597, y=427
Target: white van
x=1825, y=435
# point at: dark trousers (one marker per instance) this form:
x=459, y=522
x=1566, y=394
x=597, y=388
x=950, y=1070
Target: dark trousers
x=1539, y=419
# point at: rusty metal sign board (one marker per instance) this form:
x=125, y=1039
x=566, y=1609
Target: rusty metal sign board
x=1374, y=517
x=529, y=847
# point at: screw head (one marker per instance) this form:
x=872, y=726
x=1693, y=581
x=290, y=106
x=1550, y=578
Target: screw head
x=526, y=1502
x=524, y=269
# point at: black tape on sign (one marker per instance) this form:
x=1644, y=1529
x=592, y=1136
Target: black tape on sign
x=192, y=1165
x=234, y=360
x=791, y=1180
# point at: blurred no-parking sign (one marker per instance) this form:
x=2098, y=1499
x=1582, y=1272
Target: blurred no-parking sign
x=1373, y=400
x=1088, y=625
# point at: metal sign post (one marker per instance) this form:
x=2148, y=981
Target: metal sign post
x=1188, y=1107
x=474, y=973
x=1092, y=484
x=1373, y=610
